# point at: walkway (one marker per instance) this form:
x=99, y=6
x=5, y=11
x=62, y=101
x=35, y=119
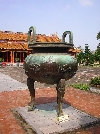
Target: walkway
x=12, y=95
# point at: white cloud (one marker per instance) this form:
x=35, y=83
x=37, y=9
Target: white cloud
x=86, y=2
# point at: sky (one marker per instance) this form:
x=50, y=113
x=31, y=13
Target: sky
x=81, y=17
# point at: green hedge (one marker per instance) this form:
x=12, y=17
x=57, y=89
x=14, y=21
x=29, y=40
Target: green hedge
x=95, y=81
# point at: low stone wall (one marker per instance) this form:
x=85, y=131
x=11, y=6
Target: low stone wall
x=86, y=101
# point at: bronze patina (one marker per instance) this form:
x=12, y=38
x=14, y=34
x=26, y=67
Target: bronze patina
x=49, y=63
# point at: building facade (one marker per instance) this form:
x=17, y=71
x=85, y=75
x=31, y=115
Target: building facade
x=14, y=46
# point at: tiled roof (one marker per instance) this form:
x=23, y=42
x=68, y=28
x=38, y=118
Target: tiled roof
x=44, y=38
x=76, y=50
x=13, y=36
x=11, y=40
x=13, y=45
x=23, y=37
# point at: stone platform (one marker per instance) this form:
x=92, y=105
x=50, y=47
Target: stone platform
x=43, y=120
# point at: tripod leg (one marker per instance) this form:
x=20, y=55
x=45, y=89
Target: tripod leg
x=60, y=94
x=30, y=84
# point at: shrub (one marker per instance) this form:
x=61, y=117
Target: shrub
x=95, y=81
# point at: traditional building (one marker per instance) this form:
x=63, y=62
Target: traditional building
x=14, y=46
x=74, y=51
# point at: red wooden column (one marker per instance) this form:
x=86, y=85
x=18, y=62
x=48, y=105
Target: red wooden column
x=28, y=53
x=23, y=57
x=20, y=56
x=12, y=56
x=3, y=57
x=7, y=56
x=75, y=55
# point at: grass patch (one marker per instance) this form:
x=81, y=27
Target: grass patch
x=85, y=87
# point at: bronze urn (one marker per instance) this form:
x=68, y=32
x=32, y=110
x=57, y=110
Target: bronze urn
x=50, y=63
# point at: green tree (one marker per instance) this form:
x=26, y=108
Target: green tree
x=97, y=55
x=88, y=56
x=85, y=57
x=98, y=35
x=80, y=57
x=98, y=46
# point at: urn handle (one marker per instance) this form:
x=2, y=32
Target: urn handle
x=32, y=35
x=70, y=36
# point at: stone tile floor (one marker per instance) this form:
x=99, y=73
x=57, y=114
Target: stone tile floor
x=84, y=100
x=87, y=102
x=83, y=75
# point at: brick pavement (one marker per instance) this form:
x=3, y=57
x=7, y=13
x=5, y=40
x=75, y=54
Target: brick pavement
x=86, y=101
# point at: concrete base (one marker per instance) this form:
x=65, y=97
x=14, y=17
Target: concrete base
x=43, y=119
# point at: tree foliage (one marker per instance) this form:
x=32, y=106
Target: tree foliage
x=97, y=55
x=80, y=57
x=98, y=35
x=85, y=57
x=88, y=56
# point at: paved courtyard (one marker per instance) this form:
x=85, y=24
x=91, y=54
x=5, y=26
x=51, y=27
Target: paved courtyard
x=14, y=93
x=83, y=75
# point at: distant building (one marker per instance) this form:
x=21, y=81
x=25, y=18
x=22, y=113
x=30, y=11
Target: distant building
x=74, y=51
x=14, y=46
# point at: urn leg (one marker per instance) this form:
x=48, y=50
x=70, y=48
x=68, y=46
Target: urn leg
x=57, y=94
x=30, y=84
x=60, y=94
